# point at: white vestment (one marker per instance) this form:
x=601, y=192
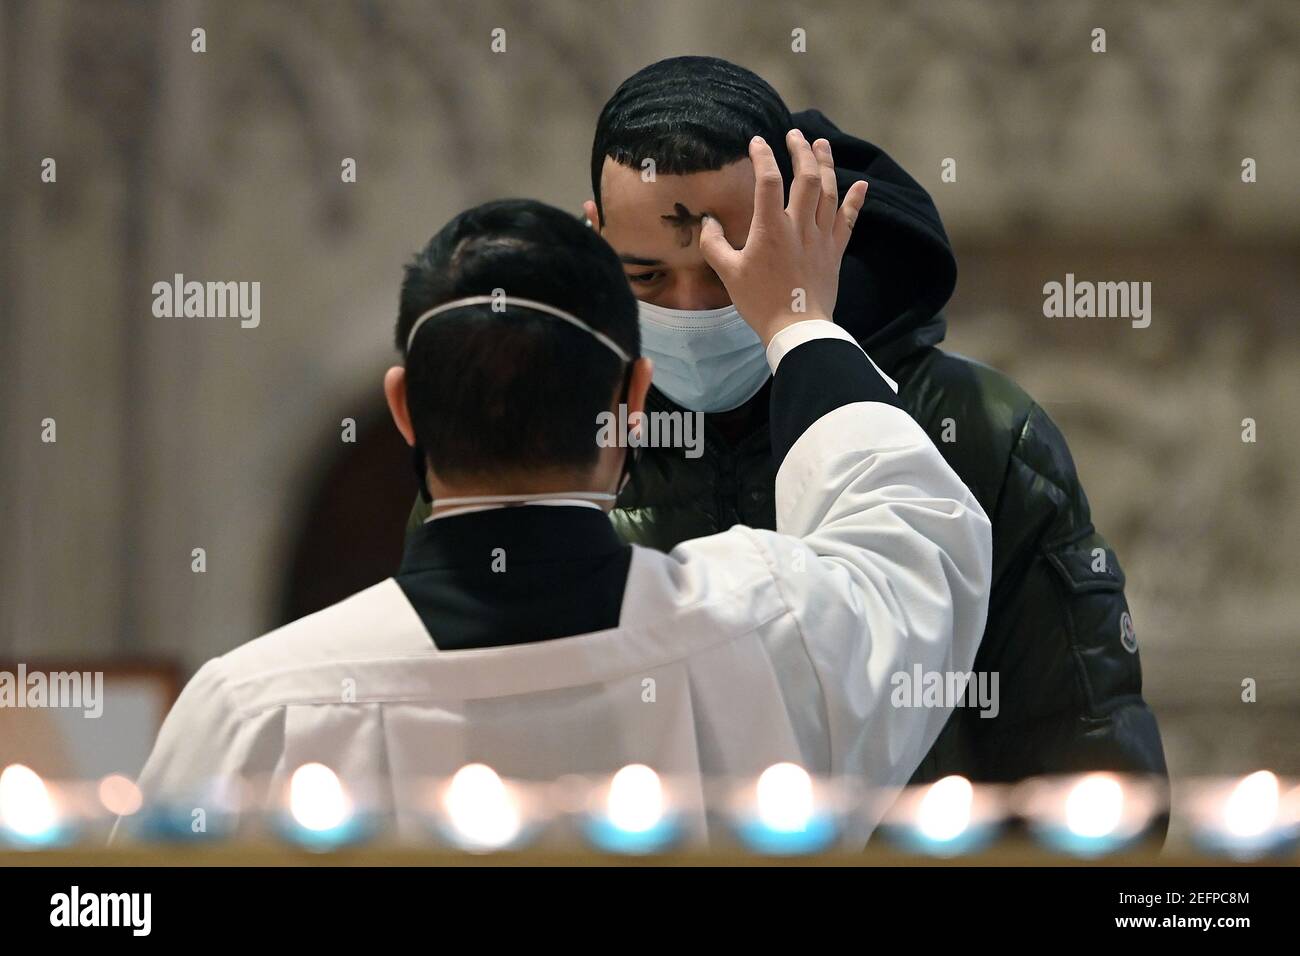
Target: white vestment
x=733, y=652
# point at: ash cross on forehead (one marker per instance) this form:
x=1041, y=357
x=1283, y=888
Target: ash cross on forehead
x=684, y=221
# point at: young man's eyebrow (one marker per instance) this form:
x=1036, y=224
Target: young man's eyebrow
x=639, y=261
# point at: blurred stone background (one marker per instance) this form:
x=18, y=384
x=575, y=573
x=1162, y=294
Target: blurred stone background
x=177, y=434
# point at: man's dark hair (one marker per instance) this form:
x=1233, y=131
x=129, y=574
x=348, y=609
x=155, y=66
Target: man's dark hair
x=690, y=114
x=514, y=390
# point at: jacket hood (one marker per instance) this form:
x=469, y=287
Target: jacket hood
x=898, y=269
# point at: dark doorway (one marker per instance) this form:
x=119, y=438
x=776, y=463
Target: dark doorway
x=351, y=530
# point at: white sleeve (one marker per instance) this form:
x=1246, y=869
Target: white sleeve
x=801, y=332
x=891, y=569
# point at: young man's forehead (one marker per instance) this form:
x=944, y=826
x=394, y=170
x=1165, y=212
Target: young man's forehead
x=663, y=211
x=637, y=190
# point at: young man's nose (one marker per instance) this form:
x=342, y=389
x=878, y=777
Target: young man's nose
x=696, y=293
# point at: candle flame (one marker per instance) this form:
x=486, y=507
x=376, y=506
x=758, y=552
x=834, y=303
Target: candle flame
x=120, y=795
x=636, y=799
x=945, y=809
x=1094, y=806
x=1252, y=807
x=481, y=807
x=317, y=800
x=785, y=797
x=26, y=807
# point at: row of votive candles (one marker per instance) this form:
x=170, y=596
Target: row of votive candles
x=784, y=810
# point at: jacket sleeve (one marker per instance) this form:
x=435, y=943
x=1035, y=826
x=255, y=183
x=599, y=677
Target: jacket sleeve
x=891, y=567
x=1060, y=632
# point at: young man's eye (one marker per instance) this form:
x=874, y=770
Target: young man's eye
x=643, y=278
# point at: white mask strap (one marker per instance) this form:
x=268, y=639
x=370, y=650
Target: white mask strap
x=493, y=300
x=518, y=499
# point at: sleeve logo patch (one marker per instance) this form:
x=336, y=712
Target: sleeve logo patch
x=1127, y=634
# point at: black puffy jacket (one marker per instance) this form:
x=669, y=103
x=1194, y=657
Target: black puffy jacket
x=1059, y=634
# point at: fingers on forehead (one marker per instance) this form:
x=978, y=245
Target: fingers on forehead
x=800, y=150
x=762, y=156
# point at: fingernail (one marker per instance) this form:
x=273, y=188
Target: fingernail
x=758, y=139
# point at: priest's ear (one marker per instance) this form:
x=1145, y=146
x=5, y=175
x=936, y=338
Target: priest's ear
x=395, y=393
x=642, y=372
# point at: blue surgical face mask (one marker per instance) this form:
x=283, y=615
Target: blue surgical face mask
x=706, y=361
